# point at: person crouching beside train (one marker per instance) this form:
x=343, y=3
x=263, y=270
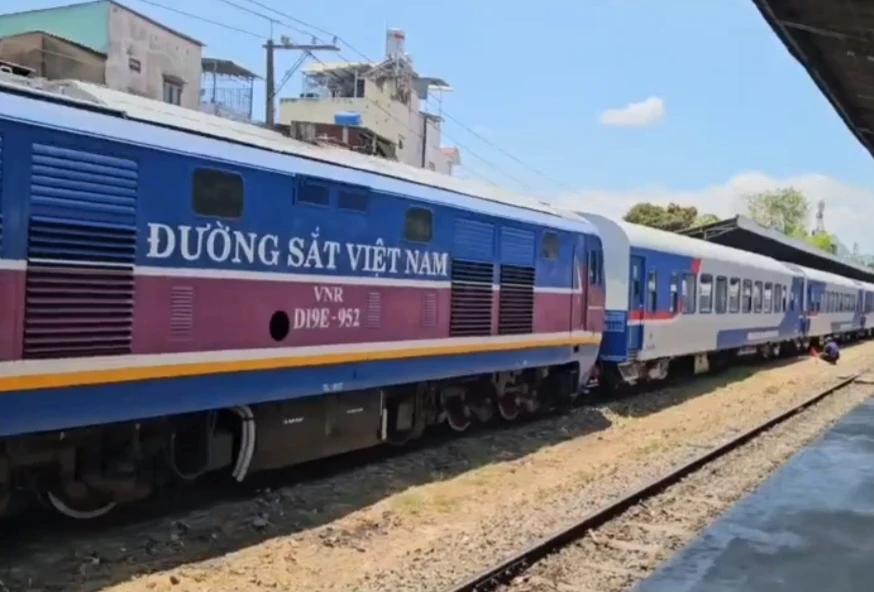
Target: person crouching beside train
x=830, y=352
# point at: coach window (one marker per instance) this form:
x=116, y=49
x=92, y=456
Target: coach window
x=550, y=246
x=652, y=291
x=785, y=291
x=778, y=297
x=705, y=291
x=417, y=225
x=733, y=295
x=769, y=295
x=217, y=194
x=689, y=293
x=675, y=293
x=747, y=297
x=721, y=295
x=757, y=297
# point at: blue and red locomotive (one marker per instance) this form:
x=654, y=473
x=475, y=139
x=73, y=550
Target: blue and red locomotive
x=184, y=294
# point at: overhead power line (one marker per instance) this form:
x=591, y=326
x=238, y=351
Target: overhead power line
x=281, y=21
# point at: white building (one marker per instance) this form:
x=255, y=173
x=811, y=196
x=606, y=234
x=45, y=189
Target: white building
x=386, y=98
x=129, y=51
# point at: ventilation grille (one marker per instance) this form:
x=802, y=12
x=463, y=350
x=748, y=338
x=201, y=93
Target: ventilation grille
x=181, y=312
x=374, y=310
x=470, y=310
x=429, y=310
x=81, y=253
x=516, y=301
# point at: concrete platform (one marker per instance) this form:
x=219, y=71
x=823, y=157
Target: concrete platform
x=809, y=528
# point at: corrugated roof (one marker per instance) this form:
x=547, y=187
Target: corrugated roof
x=834, y=41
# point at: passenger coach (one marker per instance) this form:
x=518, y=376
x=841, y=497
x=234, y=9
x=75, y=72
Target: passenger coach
x=672, y=297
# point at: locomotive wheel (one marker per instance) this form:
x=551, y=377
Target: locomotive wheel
x=85, y=509
x=457, y=414
x=508, y=407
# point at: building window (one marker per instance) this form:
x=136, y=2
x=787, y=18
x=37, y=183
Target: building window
x=172, y=92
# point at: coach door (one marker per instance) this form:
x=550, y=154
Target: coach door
x=635, y=304
x=580, y=305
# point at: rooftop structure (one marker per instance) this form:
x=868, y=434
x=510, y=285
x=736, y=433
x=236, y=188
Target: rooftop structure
x=388, y=98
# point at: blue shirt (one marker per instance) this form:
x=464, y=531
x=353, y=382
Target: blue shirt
x=831, y=349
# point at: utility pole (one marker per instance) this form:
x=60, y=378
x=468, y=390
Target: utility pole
x=270, y=82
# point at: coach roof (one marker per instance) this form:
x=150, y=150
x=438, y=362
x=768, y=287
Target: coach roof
x=661, y=240
x=129, y=118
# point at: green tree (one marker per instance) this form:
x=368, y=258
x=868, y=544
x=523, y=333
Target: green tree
x=786, y=210
x=705, y=219
x=672, y=217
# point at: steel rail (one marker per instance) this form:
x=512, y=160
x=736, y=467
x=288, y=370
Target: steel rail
x=504, y=572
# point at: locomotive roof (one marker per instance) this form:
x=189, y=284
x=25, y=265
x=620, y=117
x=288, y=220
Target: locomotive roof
x=358, y=167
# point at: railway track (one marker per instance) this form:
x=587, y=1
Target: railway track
x=625, y=536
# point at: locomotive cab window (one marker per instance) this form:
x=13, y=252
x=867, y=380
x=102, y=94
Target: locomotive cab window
x=313, y=193
x=418, y=225
x=217, y=194
x=549, y=248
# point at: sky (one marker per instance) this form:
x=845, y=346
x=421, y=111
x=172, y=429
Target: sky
x=606, y=102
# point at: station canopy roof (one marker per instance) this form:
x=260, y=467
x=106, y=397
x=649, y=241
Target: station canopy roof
x=834, y=41
x=742, y=233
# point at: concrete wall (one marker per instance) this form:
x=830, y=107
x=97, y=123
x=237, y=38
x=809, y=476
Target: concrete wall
x=86, y=24
x=53, y=58
x=141, y=54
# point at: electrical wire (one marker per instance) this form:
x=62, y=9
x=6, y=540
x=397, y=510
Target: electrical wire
x=391, y=115
x=444, y=113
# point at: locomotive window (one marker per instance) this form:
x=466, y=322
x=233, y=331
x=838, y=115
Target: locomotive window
x=674, y=293
x=757, y=297
x=352, y=200
x=747, y=297
x=734, y=295
x=690, y=293
x=311, y=193
x=652, y=291
x=596, y=267
x=549, y=248
x=769, y=295
x=417, y=225
x=721, y=295
x=705, y=289
x=218, y=194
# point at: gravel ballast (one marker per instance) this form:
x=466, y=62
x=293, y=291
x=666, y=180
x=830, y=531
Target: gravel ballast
x=431, y=518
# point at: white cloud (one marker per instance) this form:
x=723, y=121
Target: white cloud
x=849, y=210
x=640, y=114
